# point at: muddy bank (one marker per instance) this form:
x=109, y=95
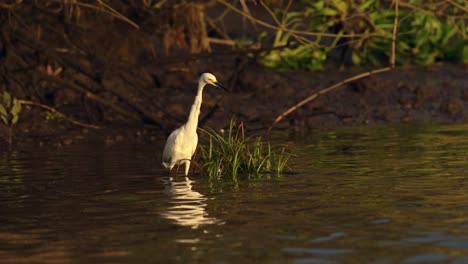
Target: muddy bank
x=435, y=94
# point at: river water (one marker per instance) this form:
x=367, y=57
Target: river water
x=360, y=195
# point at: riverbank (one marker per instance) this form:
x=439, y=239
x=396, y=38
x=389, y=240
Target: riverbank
x=434, y=94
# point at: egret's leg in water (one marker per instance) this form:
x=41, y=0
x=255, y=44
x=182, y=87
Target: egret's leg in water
x=187, y=167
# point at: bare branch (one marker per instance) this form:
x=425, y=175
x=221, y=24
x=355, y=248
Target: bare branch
x=53, y=110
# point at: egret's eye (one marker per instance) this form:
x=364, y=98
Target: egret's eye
x=211, y=80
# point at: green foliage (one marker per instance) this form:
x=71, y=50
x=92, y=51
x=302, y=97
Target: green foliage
x=308, y=56
x=10, y=109
x=229, y=156
x=304, y=57
x=54, y=116
x=428, y=31
x=423, y=38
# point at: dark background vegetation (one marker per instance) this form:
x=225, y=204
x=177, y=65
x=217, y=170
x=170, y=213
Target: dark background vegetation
x=135, y=63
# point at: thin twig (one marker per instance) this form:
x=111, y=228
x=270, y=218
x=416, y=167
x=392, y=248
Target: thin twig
x=53, y=110
x=433, y=7
x=282, y=24
x=457, y=5
x=227, y=42
x=218, y=30
x=348, y=80
x=247, y=11
x=292, y=31
x=89, y=95
x=394, y=35
x=108, y=9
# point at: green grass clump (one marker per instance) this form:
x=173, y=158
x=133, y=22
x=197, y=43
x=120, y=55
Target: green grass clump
x=10, y=109
x=231, y=155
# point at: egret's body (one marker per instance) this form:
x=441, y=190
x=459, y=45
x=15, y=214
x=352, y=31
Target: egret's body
x=182, y=142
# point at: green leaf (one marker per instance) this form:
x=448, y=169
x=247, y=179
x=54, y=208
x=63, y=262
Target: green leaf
x=292, y=15
x=421, y=38
x=355, y=58
x=448, y=33
x=7, y=99
x=341, y=5
x=403, y=45
x=16, y=108
x=5, y=120
x=319, y=5
x=14, y=120
x=329, y=12
x=366, y=5
x=3, y=111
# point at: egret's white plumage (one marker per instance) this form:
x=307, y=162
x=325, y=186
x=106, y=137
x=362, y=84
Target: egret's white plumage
x=182, y=142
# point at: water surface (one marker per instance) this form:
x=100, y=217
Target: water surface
x=376, y=195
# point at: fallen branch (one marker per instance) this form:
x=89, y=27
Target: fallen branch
x=324, y=91
x=89, y=95
x=351, y=79
x=53, y=110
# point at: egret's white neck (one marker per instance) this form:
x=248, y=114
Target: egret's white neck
x=192, y=122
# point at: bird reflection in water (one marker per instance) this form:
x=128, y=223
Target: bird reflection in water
x=187, y=207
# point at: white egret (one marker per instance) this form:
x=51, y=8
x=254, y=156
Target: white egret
x=182, y=142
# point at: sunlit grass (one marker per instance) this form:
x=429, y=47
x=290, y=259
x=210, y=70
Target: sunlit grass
x=231, y=155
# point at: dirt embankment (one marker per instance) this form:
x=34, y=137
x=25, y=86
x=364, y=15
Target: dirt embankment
x=435, y=94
